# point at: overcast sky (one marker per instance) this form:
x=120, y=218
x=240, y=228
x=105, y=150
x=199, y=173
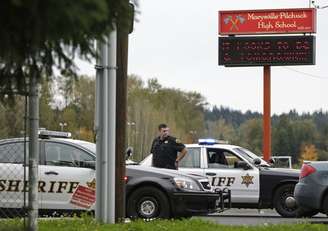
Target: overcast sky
x=176, y=42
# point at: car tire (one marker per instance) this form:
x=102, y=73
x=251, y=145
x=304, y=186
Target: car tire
x=282, y=194
x=148, y=203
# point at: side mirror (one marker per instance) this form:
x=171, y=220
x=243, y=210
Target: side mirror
x=257, y=161
x=129, y=153
x=242, y=164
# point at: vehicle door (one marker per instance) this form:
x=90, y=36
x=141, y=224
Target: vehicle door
x=61, y=175
x=13, y=179
x=192, y=162
x=223, y=172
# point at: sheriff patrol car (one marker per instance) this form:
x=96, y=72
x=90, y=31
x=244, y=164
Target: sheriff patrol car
x=253, y=182
x=67, y=182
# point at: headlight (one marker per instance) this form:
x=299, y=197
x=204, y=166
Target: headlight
x=186, y=184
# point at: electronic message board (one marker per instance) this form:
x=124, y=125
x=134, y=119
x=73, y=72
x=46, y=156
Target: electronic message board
x=267, y=50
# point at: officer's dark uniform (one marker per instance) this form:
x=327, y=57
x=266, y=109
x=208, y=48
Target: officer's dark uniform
x=165, y=151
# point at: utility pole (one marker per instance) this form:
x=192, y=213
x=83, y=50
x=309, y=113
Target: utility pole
x=110, y=124
x=112, y=102
x=105, y=129
x=100, y=125
x=121, y=115
x=121, y=95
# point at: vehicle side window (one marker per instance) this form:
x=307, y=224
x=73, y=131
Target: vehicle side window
x=192, y=159
x=220, y=158
x=65, y=155
x=13, y=153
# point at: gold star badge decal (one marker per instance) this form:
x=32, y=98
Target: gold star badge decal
x=247, y=180
x=92, y=184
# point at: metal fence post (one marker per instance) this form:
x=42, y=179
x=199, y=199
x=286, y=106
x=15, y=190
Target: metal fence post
x=33, y=155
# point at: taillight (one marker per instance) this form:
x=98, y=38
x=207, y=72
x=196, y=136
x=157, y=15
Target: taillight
x=306, y=170
x=126, y=178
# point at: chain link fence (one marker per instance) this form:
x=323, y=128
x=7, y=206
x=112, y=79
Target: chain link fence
x=13, y=158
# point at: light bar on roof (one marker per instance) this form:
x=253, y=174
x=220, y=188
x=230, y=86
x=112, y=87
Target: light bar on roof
x=210, y=141
x=54, y=134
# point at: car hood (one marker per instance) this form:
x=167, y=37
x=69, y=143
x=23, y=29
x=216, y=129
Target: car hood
x=159, y=172
x=281, y=171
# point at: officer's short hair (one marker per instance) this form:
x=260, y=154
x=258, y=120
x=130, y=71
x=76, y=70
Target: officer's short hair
x=162, y=126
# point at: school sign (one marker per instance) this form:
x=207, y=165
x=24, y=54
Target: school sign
x=302, y=20
x=235, y=49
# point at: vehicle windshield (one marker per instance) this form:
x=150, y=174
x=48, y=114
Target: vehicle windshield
x=250, y=156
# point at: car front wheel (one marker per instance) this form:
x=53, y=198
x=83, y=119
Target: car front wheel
x=147, y=203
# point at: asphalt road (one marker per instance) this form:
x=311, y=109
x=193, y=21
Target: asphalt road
x=258, y=217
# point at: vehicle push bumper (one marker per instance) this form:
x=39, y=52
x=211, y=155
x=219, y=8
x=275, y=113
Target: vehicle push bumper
x=197, y=203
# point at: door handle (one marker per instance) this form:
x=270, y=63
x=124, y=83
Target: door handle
x=210, y=174
x=51, y=173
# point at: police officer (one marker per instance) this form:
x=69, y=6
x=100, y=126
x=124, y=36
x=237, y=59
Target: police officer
x=165, y=149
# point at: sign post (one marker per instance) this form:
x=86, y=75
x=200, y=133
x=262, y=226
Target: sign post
x=266, y=112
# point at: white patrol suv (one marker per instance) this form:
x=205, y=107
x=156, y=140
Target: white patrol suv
x=252, y=181
x=67, y=182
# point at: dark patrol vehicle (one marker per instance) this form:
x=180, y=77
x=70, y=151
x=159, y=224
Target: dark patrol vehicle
x=67, y=182
x=253, y=182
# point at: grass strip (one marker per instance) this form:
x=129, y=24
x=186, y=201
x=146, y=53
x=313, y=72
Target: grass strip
x=87, y=223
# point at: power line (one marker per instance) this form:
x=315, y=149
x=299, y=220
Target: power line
x=307, y=74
